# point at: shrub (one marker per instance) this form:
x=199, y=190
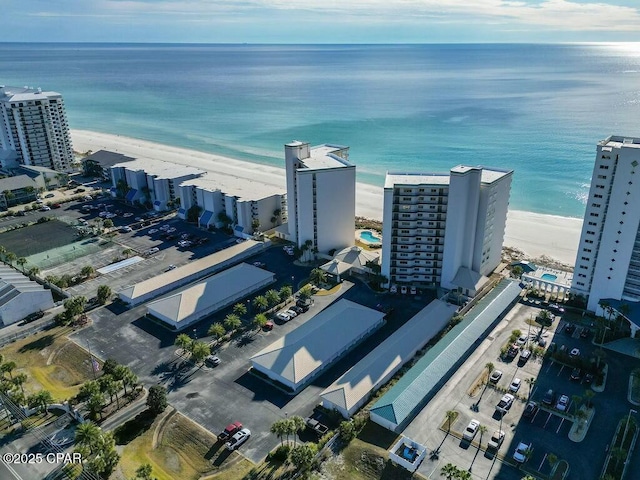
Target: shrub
x=280, y=454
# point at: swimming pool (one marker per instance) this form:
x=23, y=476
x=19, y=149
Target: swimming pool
x=548, y=276
x=367, y=236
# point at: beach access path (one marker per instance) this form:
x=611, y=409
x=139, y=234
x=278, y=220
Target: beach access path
x=533, y=233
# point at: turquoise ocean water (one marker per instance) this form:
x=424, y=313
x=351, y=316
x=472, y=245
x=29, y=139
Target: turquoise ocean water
x=538, y=109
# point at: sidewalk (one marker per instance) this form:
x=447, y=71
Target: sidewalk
x=126, y=414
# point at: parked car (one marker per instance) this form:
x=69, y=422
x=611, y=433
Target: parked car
x=542, y=342
x=393, y=289
x=283, y=316
x=229, y=431
x=291, y=313
x=585, y=332
x=127, y=215
x=522, y=452
x=570, y=328
x=165, y=227
x=588, y=378
x=515, y=385
x=49, y=195
x=413, y=290
x=495, y=376
x=530, y=409
x=471, y=430
x=305, y=304
x=152, y=250
x=549, y=397
x=522, y=339
x=513, y=350
x=316, y=426
x=403, y=290
x=268, y=326
x=45, y=208
x=238, y=439
x=152, y=231
x=575, y=352
x=212, y=361
x=56, y=205
x=170, y=267
x=505, y=403
x=524, y=356
x=554, y=307
x=297, y=309
x=563, y=403
x=496, y=440
x=576, y=374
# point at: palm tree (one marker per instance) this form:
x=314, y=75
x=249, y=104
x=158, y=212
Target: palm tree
x=112, y=388
x=260, y=303
x=33, y=271
x=490, y=367
x=451, y=416
x=298, y=424
x=10, y=257
x=8, y=367
x=44, y=399
x=272, y=296
x=94, y=404
x=3, y=250
x=260, y=320
x=129, y=379
x=232, y=321
x=19, y=380
x=588, y=395
x=279, y=430
x=576, y=400
x=127, y=252
x=184, y=342
x=87, y=435
x=318, y=276
x=217, y=330
x=200, y=351
x=21, y=262
x=87, y=271
x=531, y=383
x=285, y=292
x=240, y=309
x=449, y=471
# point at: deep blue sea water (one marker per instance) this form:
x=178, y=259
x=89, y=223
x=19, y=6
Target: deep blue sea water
x=538, y=109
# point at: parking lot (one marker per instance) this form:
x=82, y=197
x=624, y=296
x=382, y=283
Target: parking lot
x=547, y=430
x=214, y=397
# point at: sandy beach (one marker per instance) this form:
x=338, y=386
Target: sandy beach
x=533, y=233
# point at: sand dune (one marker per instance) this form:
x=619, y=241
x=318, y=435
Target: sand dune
x=533, y=233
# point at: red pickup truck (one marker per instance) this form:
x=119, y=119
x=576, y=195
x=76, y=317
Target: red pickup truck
x=229, y=431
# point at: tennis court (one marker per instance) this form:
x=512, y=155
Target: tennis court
x=38, y=238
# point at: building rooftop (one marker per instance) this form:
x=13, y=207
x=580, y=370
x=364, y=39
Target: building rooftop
x=12, y=283
x=403, y=401
x=361, y=379
x=301, y=352
x=246, y=189
x=17, y=94
x=326, y=156
x=489, y=175
x=616, y=141
x=17, y=182
x=107, y=159
x=161, y=169
x=206, y=294
x=143, y=288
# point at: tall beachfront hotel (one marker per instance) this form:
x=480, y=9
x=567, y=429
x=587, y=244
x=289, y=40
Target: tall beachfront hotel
x=608, y=261
x=444, y=229
x=321, y=196
x=34, y=129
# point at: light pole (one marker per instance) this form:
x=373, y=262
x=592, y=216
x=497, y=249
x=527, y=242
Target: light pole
x=624, y=436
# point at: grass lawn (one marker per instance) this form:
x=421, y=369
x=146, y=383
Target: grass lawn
x=51, y=362
x=184, y=451
x=366, y=457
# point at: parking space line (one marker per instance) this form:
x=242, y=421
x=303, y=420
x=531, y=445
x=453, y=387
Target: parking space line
x=545, y=423
x=560, y=426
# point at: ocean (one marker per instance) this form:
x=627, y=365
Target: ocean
x=537, y=109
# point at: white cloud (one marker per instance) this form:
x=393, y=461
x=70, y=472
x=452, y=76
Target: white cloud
x=563, y=15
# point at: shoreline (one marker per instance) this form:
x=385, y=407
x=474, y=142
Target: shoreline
x=535, y=234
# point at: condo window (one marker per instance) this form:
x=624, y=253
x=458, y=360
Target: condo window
x=590, y=232
x=597, y=195
x=604, y=167
x=602, y=177
x=588, y=241
x=588, y=250
x=584, y=267
x=596, y=205
x=594, y=214
x=593, y=224
x=586, y=259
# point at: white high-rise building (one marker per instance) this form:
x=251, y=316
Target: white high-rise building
x=321, y=196
x=444, y=229
x=608, y=261
x=34, y=129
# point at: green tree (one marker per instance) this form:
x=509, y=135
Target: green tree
x=516, y=271
x=95, y=404
x=272, y=297
x=232, y=322
x=104, y=294
x=184, y=342
x=285, y=292
x=107, y=223
x=450, y=416
x=127, y=252
x=21, y=262
x=87, y=271
x=240, y=309
x=449, y=471
x=305, y=292
x=110, y=366
x=19, y=380
x=144, y=472
x=157, y=399
x=297, y=425
x=129, y=379
x=40, y=400
x=217, y=330
x=10, y=257
x=33, y=271
x=260, y=320
x=318, y=276
x=588, y=395
x=279, y=429
x=193, y=214
x=260, y=303
x=87, y=435
x=88, y=389
x=302, y=456
x=74, y=307
x=200, y=351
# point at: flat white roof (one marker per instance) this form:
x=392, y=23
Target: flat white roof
x=489, y=175
x=326, y=156
x=301, y=352
x=616, y=141
x=23, y=94
x=167, y=278
x=366, y=375
x=209, y=293
x=246, y=189
x=160, y=169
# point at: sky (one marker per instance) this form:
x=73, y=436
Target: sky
x=320, y=21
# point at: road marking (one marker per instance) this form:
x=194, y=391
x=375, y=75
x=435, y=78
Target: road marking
x=560, y=426
x=545, y=423
x=11, y=470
